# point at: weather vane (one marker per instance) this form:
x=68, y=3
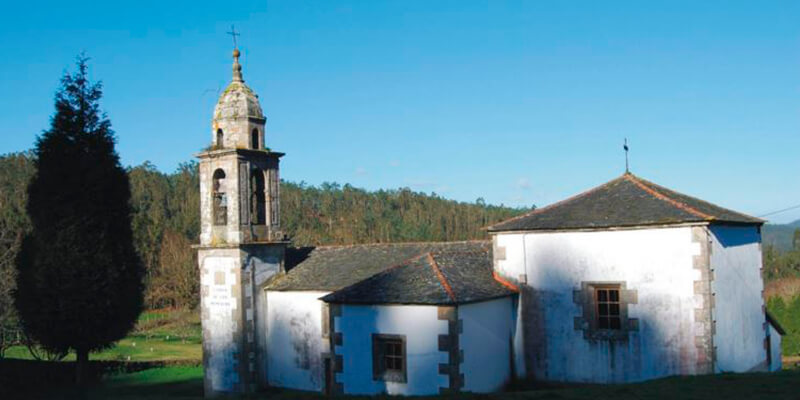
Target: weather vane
x=234, y=35
x=625, y=146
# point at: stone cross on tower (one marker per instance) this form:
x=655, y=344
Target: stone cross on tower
x=234, y=35
x=237, y=68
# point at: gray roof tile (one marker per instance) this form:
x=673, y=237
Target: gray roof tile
x=625, y=201
x=330, y=268
x=440, y=277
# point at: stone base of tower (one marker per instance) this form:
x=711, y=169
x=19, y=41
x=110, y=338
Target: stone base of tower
x=230, y=278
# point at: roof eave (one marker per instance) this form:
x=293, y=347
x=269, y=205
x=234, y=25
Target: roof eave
x=775, y=324
x=603, y=228
x=758, y=222
x=417, y=303
x=301, y=289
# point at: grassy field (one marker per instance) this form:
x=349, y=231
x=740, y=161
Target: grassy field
x=159, y=336
x=787, y=312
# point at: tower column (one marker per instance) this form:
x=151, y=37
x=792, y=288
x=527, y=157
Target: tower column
x=241, y=244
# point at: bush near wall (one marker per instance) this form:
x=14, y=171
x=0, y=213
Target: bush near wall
x=787, y=312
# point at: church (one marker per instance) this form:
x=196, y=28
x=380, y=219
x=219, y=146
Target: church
x=625, y=282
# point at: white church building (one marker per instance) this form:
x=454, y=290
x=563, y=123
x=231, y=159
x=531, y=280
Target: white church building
x=625, y=282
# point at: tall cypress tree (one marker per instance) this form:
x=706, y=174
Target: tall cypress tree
x=79, y=281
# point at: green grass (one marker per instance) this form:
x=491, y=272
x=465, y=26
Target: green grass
x=187, y=383
x=157, y=383
x=177, y=382
x=788, y=314
x=159, y=336
x=134, y=348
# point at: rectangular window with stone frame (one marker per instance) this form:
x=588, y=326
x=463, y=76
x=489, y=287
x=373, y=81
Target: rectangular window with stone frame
x=389, y=358
x=604, y=310
x=607, y=313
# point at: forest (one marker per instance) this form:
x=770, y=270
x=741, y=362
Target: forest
x=166, y=224
x=167, y=212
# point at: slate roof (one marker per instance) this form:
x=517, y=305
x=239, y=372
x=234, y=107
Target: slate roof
x=330, y=268
x=625, y=201
x=774, y=322
x=433, y=278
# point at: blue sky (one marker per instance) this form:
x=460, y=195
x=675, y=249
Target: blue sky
x=517, y=102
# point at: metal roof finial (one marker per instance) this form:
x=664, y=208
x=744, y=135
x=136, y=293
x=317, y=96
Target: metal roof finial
x=625, y=146
x=237, y=68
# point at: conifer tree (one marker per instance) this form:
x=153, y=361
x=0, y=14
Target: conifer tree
x=79, y=278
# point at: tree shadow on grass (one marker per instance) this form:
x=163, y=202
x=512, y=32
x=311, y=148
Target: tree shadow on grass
x=27, y=379
x=188, y=388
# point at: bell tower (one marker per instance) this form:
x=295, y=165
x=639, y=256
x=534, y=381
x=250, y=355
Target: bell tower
x=241, y=244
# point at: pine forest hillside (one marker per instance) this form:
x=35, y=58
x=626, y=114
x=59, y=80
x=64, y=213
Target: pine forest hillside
x=167, y=212
x=780, y=236
x=166, y=224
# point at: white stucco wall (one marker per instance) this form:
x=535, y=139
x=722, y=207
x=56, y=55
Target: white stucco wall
x=775, y=349
x=421, y=327
x=486, y=343
x=220, y=308
x=262, y=262
x=512, y=266
x=657, y=263
x=294, y=340
x=738, y=302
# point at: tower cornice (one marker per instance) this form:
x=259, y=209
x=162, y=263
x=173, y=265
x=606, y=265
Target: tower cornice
x=215, y=153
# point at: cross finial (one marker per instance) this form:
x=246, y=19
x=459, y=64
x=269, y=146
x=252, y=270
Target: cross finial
x=625, y=146
x=234, y=34
x=237, y=68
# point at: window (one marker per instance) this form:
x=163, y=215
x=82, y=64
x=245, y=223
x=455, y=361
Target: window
x=254, y=139
x=258, y=200
x=220, y=201
x=607, y=300
x=389, y=358
x=220, y=138
x=393, y=355
x=604, y=310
